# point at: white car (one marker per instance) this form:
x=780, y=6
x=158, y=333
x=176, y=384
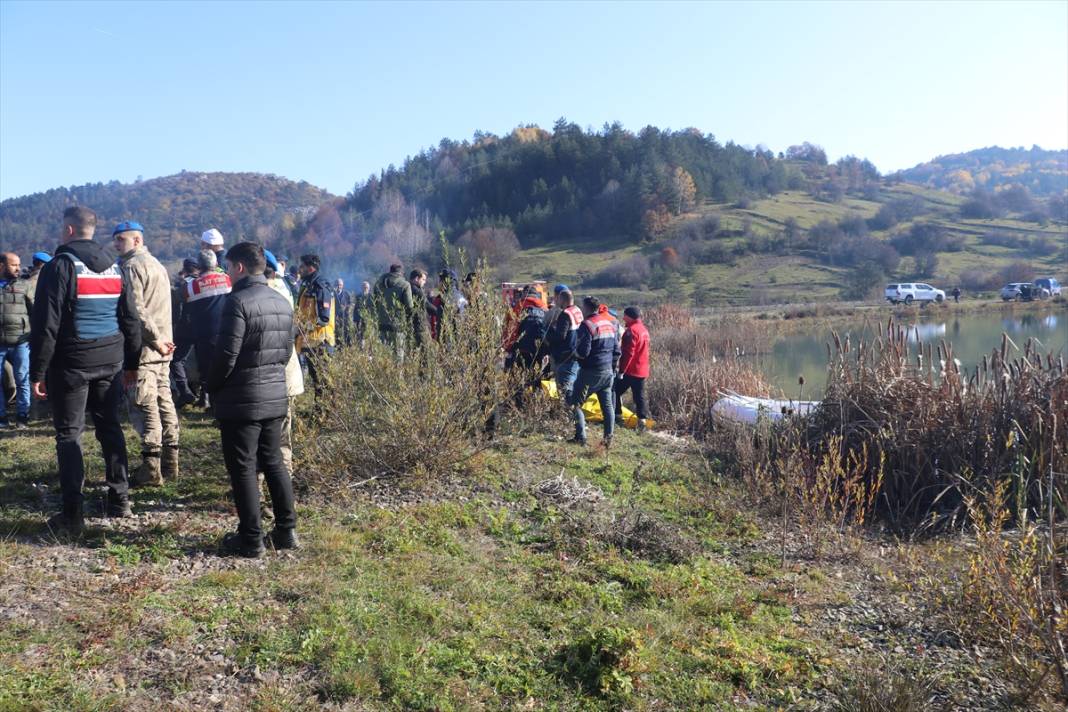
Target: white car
x=910, y=292
x=1049, y=285
x=1011, y=290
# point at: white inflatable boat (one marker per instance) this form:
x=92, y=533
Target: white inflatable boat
x=745, y=409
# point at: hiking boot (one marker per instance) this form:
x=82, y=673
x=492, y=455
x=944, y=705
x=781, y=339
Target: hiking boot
x=148, y=474
x=204, y=401
x=578, y=440
x=282, y=539
x=4, y=424
x=168, y=462
x=116, y=507
x=22, y=422
x=234, y=544
x=184, y=399
x=70, y=522
x=642, y=427
x=607, y=442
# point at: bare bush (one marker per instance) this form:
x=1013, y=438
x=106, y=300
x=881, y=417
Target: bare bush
x=413, y=411
x=979, y=280
x=630, y=272
x=496, y=246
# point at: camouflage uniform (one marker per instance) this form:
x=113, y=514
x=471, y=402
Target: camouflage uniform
x=153, y=413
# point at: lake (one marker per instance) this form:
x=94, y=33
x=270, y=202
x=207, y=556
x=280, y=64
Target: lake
x=972, y=335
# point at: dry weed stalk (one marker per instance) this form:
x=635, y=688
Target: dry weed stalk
x=824, y=490
x=1015, y=590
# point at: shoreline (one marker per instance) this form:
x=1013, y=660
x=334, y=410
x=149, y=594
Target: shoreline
x=809, y=312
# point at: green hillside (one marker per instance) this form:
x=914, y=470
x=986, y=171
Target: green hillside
x=797, y=274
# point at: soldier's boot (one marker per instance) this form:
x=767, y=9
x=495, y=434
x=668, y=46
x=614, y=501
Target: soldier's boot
x=169, y=462
x=69, y=522
x=148, y=474
x=117, y=506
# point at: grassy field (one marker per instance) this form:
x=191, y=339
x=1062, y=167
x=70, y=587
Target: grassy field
x=793, y=276
x=494, y=591
x=539, y=576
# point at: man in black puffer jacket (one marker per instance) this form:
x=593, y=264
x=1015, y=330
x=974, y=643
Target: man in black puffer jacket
x=84, y=331
x=247, y=382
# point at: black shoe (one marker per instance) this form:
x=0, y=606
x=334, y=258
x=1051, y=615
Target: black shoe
x=70, y=524
x=236, y=545
x=4, y=424
x=204, y=401
x=578, y=441
x=184, y=399
x=117, y=508
x=607, y=442
x=22, y=422
x=282, y=539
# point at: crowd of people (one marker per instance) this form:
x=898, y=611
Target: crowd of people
x=94, y=327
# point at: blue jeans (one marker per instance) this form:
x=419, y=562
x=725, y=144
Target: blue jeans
x=19, y=355
x=566, y=373
x=599, y=383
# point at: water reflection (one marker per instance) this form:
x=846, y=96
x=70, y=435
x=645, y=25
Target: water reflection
x=972, y=337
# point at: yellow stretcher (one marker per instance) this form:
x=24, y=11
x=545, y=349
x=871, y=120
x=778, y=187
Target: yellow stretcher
x=592, y=408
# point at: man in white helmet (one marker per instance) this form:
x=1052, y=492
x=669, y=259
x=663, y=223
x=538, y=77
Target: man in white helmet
x=212, y=239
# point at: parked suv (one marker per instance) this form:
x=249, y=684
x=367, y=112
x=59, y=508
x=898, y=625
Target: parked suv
x=913, y=292
x=1011, y=291
x=1051, y=286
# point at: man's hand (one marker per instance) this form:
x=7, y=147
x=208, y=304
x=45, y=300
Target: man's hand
x=129, y=379
x=166, y=349
x=39, y=390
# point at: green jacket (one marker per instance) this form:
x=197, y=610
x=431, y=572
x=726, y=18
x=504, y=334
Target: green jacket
x=16, y=303
x=393, y=302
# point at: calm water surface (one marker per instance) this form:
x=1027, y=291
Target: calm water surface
x=972, y=336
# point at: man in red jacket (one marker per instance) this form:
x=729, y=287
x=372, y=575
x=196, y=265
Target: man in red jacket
x=633, y=365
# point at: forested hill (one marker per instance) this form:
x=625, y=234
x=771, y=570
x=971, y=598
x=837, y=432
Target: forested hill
x=494, y=195
x=570, y=181
x=1043, y=173
x=174, y=210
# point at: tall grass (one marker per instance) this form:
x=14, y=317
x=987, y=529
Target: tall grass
x=943, y=434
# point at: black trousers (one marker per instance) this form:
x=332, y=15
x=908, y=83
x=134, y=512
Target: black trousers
x=246, y=443
x=205, y=348
x=181, y=380
x=101, y=391
x=637, y=387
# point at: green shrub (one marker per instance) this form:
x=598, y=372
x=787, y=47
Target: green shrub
x=604, y=661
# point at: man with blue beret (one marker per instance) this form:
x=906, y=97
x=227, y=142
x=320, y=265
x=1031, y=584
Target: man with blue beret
x=152, y=411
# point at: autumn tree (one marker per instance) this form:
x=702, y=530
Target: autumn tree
x=496, y=245
x=685, y=191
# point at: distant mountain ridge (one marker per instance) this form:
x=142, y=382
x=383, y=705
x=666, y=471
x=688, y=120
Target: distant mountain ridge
x=174, y=209
x=1044, y=173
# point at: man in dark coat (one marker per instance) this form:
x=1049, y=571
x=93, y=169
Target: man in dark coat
x=394, y=305
x=205, y=296
x=183, y=333
x=344, y=313
x=84, y=331
x=16, y=303
x=247, y=382
x=420, y=307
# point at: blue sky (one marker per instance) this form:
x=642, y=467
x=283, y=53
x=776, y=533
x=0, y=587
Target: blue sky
x=331, y=92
